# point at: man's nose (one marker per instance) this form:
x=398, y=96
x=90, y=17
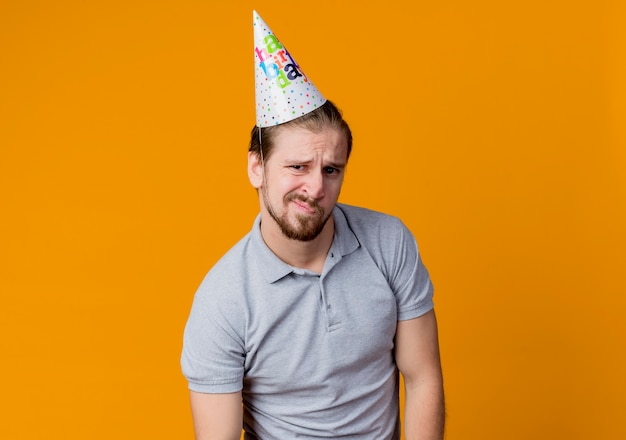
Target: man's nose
x=314, y=186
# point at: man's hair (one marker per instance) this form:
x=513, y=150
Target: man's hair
x=325, y=116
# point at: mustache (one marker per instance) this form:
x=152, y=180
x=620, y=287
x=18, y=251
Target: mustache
x=302, y=198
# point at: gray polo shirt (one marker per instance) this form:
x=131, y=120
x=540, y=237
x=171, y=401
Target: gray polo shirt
x=312, y=353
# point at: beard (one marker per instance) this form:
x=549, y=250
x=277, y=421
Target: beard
x=306, y=227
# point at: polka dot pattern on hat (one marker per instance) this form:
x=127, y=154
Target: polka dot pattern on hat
x=283, y=91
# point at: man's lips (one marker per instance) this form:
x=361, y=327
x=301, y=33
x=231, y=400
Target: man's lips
x=304, y=206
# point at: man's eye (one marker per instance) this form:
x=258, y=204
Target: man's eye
x=331, y=170
x=296, y=167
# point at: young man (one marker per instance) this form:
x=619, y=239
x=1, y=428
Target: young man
x=309, y=318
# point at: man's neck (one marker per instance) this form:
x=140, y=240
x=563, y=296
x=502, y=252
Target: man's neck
x=310, y=255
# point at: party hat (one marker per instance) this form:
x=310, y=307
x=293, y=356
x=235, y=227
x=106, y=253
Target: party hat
x=283, y=92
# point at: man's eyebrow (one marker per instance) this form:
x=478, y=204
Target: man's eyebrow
x=301, y=161
x=307, y=161
x=336, y=164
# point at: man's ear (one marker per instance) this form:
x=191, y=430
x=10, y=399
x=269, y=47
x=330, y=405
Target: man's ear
x=255, y=169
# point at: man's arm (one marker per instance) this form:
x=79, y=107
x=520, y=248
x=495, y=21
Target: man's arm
x=216, y=416
x=417, y=358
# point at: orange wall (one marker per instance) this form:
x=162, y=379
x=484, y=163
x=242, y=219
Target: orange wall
x=494, y=129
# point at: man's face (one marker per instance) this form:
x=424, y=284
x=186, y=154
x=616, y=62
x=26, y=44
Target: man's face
x=303, y=178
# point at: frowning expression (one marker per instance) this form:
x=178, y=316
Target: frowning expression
x=303, y=178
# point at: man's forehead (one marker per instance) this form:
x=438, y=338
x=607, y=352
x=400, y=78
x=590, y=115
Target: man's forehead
x=295, y=138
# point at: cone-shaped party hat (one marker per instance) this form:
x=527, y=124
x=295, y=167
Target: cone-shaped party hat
x=283, y=92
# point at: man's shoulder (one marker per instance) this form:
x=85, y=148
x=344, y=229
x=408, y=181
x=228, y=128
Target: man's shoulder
x=234, y=261
x=366, y=218
x=379, y=232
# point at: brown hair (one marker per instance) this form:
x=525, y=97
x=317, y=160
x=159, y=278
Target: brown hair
x=326, y=115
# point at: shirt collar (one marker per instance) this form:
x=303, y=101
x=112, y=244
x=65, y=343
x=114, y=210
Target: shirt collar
x=273, y=268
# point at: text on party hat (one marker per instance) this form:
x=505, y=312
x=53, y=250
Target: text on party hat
x=276, y=62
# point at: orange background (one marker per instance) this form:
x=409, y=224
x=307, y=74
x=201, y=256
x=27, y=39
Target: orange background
x=494, y=129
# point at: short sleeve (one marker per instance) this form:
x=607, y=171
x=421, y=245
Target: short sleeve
x=213, y=352
x=409, y=278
